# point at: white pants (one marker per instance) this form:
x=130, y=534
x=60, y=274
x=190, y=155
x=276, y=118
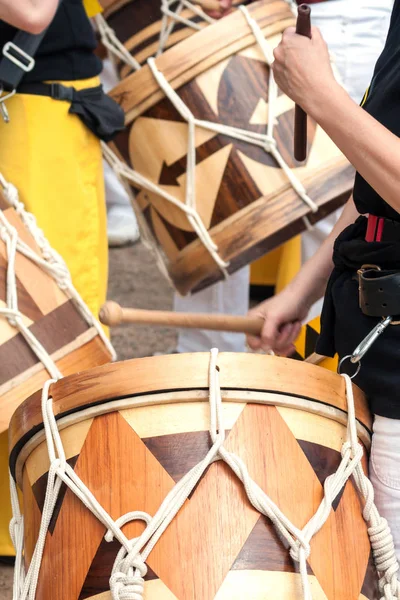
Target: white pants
x=229, y=297
x=384, y=472
x=355, y=31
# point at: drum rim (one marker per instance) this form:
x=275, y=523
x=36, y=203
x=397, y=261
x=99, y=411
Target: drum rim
x=151, y=375
x=139, y=91
x=195, y=396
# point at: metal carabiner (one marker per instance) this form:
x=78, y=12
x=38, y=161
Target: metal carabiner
x=365, y=345
x=369, y=340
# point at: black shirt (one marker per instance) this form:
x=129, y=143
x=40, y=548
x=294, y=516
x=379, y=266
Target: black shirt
x=66, y=52
x=383, y=103
x=343, y=325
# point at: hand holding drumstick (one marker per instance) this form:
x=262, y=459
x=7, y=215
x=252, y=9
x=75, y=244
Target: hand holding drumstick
x=112, y=314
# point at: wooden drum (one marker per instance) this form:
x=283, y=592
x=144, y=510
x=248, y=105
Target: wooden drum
x=243, y=196
x=138, y=24
x=72, y=341
x=132, y=430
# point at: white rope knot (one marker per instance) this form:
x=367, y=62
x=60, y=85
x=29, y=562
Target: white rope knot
x=127, y=578
x=300, y=550
x=126, y=587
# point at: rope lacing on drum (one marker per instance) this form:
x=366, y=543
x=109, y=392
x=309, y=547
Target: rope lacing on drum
x=113, y=44
x=129, y=571
x=50, y=262
x=171, y=17
x=265, y=141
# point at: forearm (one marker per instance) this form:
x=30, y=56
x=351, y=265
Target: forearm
x=310, y=283
x=371, y=148
x=30, y=15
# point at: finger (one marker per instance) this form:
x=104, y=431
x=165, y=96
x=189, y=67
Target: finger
x=288, y=350
x=269, y=334
x=289, y=31
x=316, y=33
x=296, y=330
x=284, y=336
x=278, y=54
x=253, y=342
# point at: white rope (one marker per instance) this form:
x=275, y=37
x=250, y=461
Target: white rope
x=171, y=17
x=127, y=578
x=113, y=44
x=122, y=170
x=51, y=263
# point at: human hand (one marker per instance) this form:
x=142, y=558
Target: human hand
x=225, y=7
x=283, y=315
x=302, y=68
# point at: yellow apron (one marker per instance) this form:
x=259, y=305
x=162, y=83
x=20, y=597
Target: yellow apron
x=56, y=164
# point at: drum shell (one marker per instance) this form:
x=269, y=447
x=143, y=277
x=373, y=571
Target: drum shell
x=242, y=196
x=145, y=425
x=52, y=317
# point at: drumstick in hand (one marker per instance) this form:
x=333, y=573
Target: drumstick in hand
x=303, y=27
x=113, y=314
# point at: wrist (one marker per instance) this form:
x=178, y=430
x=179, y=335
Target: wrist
x=325, y=102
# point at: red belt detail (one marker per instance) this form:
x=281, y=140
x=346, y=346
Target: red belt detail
x=374, y=229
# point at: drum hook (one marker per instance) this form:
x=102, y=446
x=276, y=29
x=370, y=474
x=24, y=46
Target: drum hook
x=365, y=345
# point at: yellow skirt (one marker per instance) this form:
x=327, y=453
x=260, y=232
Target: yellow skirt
x=56, y=164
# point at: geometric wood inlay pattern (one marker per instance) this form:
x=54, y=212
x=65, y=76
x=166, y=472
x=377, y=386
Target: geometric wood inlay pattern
x=218, y=546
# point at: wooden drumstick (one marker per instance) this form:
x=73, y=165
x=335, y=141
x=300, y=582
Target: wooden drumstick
x=113, y=314
x=303, y=27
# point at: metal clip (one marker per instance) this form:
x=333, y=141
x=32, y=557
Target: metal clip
x=365, y=345
x=369, y=340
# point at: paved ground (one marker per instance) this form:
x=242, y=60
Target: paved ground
x=134, y=281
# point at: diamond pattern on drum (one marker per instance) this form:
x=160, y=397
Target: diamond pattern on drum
x=217, y=532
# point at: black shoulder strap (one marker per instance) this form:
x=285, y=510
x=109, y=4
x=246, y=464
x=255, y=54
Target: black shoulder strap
x=17, y=58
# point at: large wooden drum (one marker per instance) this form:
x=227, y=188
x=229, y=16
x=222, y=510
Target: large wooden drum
x=132, y=430
x=242, y=195
x=50, y=315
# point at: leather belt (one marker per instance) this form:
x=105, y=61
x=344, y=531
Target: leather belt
x=379, y=290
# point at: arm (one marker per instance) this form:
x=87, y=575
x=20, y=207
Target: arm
x=30, y=15
x=284, y=313
x=302, y=70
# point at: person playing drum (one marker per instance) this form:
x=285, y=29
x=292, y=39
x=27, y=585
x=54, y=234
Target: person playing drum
x=365, y=244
